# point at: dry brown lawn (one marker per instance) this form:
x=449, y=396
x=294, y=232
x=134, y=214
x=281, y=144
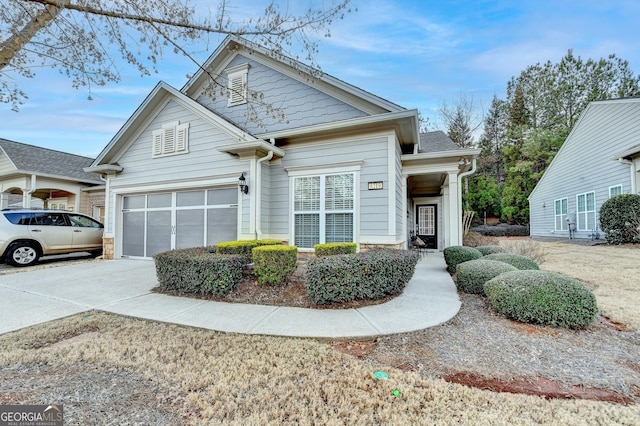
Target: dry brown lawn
x=107, y=369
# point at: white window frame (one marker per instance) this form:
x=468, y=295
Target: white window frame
x=172, y=139
x=352, y=167
x=615, y=188
x=561, y=217
x=237, y=84
x=582, y=216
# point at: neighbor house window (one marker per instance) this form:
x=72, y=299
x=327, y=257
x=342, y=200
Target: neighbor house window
x=615, y=190
x=237, y=83
x=561, y=214
x=323, y=209
x=172, y=139
x=586, y=211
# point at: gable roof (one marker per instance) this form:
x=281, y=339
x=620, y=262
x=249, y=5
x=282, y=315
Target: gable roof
x=228, y=49
x=437, y=141
x=604, y=117
x=146, y=111
x=30, y=159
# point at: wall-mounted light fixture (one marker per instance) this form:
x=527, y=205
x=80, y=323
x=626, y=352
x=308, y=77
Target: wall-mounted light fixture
x=242, y=184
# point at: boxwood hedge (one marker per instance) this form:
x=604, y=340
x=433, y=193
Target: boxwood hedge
x=485, y=250
x=273, y=263
x=331, y=249
x=365, y=275
x=243, y=247
x=542, y=297
x=454, y=255
x=472, y=274
x=620, y=219
x=519, y=261
x=197, y=270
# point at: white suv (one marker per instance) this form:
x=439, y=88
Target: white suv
x=25, y=235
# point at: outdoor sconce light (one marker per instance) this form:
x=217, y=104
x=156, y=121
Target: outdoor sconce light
x=242, y=184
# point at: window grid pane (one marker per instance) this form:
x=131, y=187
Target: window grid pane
x=307, y=194
x=339, y=228
x=307, y=230
x=339, y=192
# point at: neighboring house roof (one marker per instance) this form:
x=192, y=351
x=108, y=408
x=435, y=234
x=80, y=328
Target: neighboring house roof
x=30, y=159
x=437, y=141
x=604, y=122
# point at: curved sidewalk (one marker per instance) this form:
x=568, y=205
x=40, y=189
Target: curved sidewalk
x=124, y=287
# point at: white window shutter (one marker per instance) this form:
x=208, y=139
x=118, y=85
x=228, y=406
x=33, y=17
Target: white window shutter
x=157, y=142
x=182, y=137
x=169, y=140
x=237, y=89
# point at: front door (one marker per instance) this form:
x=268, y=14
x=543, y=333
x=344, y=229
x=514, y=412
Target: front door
x=427, y=225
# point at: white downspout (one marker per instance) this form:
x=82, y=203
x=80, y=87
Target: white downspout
x=259, y=162
x=460, y=176
x=633, y=173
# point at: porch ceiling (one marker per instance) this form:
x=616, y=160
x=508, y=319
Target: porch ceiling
x=426, y=185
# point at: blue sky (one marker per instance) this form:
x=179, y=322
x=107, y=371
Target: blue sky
x=419, y=54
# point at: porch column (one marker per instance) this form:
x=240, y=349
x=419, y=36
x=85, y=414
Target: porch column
x=405, y=213
x=455, y=222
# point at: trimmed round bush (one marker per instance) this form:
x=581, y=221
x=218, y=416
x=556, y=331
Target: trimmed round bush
x=519, y=261
x=454, y=255
x=620, y=219
x=542, y=297
x=485, y=250
x=471, y=275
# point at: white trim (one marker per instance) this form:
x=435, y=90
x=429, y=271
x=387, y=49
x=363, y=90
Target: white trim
x=391, y=191
x=323, y=169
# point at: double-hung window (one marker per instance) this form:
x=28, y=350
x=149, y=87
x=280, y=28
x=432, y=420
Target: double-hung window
x=615, y=190
x=323, y=209
x=561, y=214
x=586, y=211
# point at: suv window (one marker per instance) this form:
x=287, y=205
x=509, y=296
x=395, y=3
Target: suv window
x=19, y=218
x=83, y=221
x=49, y=219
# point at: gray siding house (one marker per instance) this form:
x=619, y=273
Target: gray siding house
x=599, y=159
x=321, y=161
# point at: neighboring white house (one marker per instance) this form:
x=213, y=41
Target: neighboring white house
x=333, y=163
x=599, y=159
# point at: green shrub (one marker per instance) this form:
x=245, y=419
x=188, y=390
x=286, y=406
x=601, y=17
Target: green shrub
x=273, y=263
x=243, y=247
x=620, y=219
x=485, y=250
x=366, y=275
x=331, y=249
x=455, y=255
x=542, y=297
x=197, y=270
x=472, y=274
x=519, y=261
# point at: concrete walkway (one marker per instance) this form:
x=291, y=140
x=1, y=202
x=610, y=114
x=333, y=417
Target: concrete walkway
x=124, y=287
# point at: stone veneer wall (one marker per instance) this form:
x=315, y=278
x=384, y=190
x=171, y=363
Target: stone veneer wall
x=107, y=248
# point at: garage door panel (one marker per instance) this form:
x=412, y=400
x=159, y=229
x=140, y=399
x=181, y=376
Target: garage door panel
x=133, y=233
x=222, y=225
x=189, y=228
x=158, y=232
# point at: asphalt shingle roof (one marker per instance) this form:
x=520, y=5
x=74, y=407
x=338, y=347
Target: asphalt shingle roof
x=34, y=159
x=437, y=141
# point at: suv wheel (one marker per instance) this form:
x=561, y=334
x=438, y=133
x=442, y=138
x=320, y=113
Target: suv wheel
x=22, y=254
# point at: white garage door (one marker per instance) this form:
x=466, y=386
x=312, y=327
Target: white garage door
x=152, y=223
